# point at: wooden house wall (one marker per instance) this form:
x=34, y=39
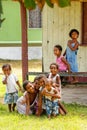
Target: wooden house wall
x=57, y=23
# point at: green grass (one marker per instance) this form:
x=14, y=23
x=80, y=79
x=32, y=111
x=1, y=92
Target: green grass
x=76, y=119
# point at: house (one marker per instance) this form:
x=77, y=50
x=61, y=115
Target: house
x=57, y=22
x=10, y=31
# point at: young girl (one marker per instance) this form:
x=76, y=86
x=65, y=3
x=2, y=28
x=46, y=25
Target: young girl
x=60, y=60
x=11, y=81
x=54, y=76
x=71, y=52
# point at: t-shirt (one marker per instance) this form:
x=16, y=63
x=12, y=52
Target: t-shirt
x=11, y=83
x=51, y=92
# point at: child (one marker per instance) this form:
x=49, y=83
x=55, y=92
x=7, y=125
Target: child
x=41, y=101
x=60, y=60
x=26, y=103
x=71, y=52
x=54, y=76
x=11, y=81
x=51, y=103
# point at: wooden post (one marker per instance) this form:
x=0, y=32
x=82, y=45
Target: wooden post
x=24, y=41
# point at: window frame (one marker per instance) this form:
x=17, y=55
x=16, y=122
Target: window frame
x=83, y=43
x=28, y=22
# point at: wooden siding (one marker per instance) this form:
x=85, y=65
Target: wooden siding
x=57, y=23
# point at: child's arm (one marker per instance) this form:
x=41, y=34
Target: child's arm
x=18, y=83
x=66, y=63
x=39, y=110
x=44, y=93
x=56, y=92
x=27, y=104
x=4, y=81
x=57, y=83
x=64, y=53
x=75, y=47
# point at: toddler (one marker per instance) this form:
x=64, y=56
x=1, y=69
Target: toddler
x=11, y=81
x=51, y=103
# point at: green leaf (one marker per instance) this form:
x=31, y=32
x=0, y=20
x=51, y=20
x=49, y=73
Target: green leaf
x=1, y=7
x=49, y=3
x=29, y=4
x=1, y=11
x=63, y=3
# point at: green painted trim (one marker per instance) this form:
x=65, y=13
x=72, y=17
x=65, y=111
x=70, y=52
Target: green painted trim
x=15, y=42
x=18, y=43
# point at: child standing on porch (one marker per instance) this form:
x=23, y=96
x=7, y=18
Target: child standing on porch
x=11, y=81
x=71, y=52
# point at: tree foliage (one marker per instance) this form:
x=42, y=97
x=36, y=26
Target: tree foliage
x=0, y=12
x=31, y=4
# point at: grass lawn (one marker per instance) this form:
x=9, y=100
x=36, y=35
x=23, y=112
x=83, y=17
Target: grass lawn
x=76, y=119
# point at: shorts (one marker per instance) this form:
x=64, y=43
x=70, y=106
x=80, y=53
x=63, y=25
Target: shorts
x=52, y=107
x=11, y=98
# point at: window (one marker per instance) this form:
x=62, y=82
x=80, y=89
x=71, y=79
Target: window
x=35, y=18
x=84, y=23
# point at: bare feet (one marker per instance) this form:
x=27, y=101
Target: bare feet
x=54, y=115
x=49, y=116
x=74, y=81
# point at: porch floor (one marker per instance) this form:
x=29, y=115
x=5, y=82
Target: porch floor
x=75, y=94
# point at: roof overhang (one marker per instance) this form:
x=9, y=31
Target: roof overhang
x=80, y=0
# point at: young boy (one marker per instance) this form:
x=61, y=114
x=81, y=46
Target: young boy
x=27, y=102
x=11, y=81
x=51, y=102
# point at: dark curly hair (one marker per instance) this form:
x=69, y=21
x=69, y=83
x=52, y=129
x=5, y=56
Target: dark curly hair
x=6, y=65
x=59, y=47
x=25, y=84
x=55, y=65
x=73, y=30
